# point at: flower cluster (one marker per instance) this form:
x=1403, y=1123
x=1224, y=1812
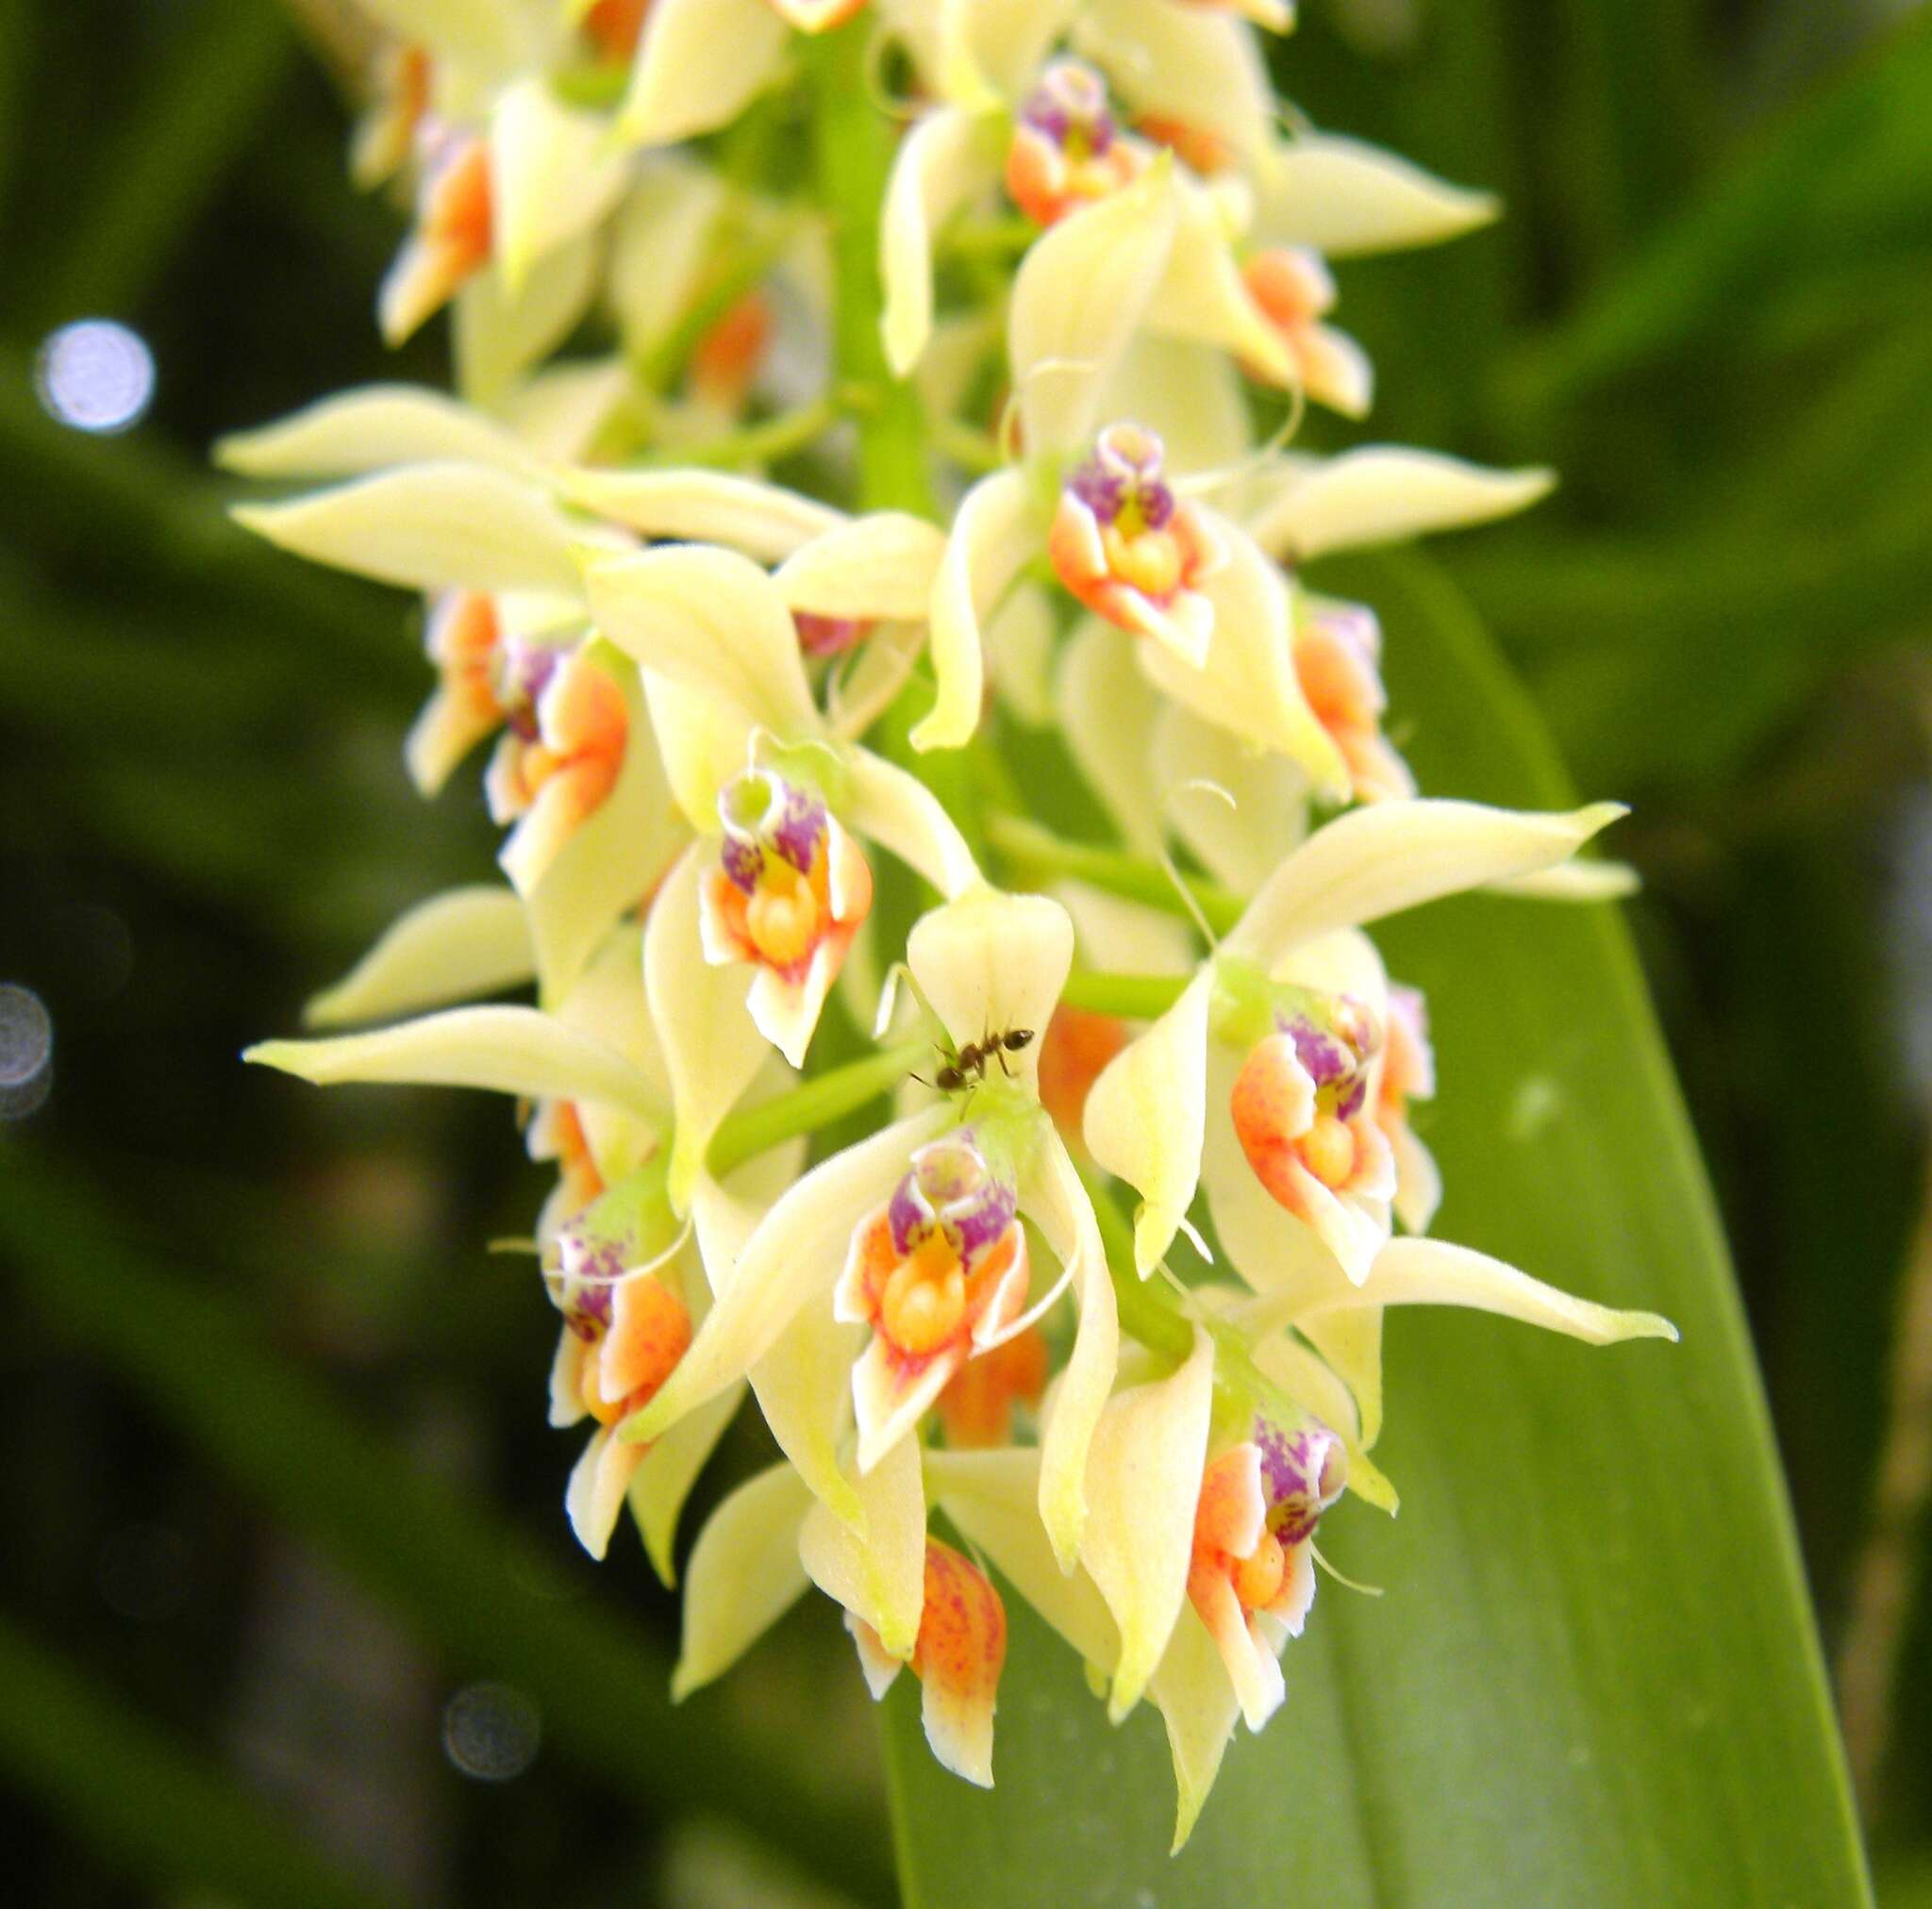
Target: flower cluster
x=753, y=751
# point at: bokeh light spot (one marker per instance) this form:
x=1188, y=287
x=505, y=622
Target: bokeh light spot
x=95, y=375
x=490, y=1732
x=26, y=1052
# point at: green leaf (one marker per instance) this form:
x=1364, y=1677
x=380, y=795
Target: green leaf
x=1594, y=1677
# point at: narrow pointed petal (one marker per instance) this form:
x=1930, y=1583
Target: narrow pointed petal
x=1346, y=198
x=503, y=1050
x=1382, y=494
x=1078, y=299
x=802, y=1395
x=1017, y=641
x=614, y=857
x=427, y=526
x=1111, y=708
x=1060, y=1205
x=993, y=1499
x=553, y=176
x=453, y=947
x=1190, y=64
x=1201, y=295
x=712, y=621
x=897, y=809
x=712, y=1050
x=879, y=567
x=704, y=506
x=791, y=1261
x=743, y=1575
x=962, y=1649
x=1432, y=1272
x=1199, y=1707
x=699, y=62
x=598, y=1486
x=990, y=962
x=1380, y=860
x=1146, y=1116
x=498, y=338
x=670, y=1467
x=1247, y=684
x=703, y=741
x=948, y=158
x=374, y=428
x=1144, y=1480
x=878, y=1571
x=996, y=531
x=495, y=36
x=1575, y=881
x=1239, y=810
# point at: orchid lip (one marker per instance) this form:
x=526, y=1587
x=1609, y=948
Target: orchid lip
x=1071, y=99
x=950, y=1186
x=1126, y=468
x=762, y=812
x=1303, y=1473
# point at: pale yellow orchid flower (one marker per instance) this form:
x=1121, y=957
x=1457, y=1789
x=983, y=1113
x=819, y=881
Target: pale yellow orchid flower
x=1278, y=1011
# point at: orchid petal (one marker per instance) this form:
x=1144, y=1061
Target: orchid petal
x=1344, y=197
x=711, y=1048
x=791, y=1261
x=806, y=1405
x=1146, y=1116
x=614, y=856
x=897, y=810
x=1189, y=395
x=879, y=567
x=990, y=961
x=712, y=621
x=497, y=338
x=374, y=428
x=950, y=156
x=560, y=411
x=1057, y=1203
x=598, y=1483
x=453, y=947
x=427, y=526
x=670, y=1467
x=1112, y=932
x=996, y=532
x=1248, y=683
x=743, y=1576
x=704, y=506
x=1187, y=64
x=1239, y=810
x=1198, y=1704
x=1081, y=293
x=1203, y=297
x=1109, y=707
x=503, y=1050
x=698, y=64
x=1394, y=855
x=1381, y=494
x=705, y=743
x=552, y=176
x=1144, y=1480
x=661, y=241
x=878, y=1571
x=1017, y=644
x=993, y=1497
x=1575, y=881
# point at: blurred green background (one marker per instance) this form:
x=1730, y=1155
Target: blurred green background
x=285, y=1599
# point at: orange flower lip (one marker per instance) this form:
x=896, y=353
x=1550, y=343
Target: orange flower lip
x=1067, y=150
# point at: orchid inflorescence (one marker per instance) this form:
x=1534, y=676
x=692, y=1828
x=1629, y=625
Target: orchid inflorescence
x=1028, y=341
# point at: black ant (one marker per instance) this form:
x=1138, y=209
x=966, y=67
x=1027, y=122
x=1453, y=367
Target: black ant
x=969, y=1065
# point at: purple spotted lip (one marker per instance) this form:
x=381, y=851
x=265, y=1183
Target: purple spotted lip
x=1303, y=1473
x=1071, y=99
x=951, y=1186
x=763, y=813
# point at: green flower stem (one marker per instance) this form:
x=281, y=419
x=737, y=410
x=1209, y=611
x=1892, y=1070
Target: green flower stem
x=851, y=148
x=1037, y=851
x=1153, y=1312
x=756, y=1130
x=763, y=442
x=1133, y=997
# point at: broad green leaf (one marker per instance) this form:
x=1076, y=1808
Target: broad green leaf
x=1594, y=1677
